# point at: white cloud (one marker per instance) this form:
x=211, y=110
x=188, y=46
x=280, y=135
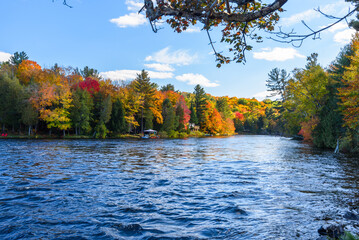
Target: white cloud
x=160, y=67
x=134, y=5
x=124, y=75
x=4, y=56
x=296, y=18
x=194, y=79
x=179, y=57
x=338, y=26
x=344, y=37
x=193, y=30
x=264, y=95
x=277, y=54
x=129, y=20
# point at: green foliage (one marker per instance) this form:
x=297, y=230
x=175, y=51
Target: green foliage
x=169, y=117
x=11, y=93
x=277, y=81
x=168, y=87
x=90, y=72
x=200, y=103
x=179, y=118
x=81, y=111
x=194, y=118
x=223, y=107
x=18, y=57
x=146, y=91
x=100, y=130
x=118, y=123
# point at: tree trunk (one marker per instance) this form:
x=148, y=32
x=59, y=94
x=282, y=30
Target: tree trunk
x=29, y=130
x=3, y=127
x=76, y=130
x=50, y=132
x=64, y=131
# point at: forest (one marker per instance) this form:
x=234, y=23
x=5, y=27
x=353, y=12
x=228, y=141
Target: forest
x=318, y=104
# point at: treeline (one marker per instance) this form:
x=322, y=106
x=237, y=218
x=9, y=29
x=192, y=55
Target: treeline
x=61, y=101
x=322, y=105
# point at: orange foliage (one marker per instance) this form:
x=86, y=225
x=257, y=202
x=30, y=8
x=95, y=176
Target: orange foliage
x=307, y=129
x=27, y=71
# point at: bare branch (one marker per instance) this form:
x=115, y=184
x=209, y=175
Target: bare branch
x=298, y=39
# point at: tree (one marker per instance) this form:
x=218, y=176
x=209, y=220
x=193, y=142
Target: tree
x=200, y=102
x=18, y=57
x=117, y=122
x=223, y=107
x=102, y=114
x=146, y=90
x=80, y=112
x=11, y=93
x=90, y=72
x=169, y=116
x=306, y=94
x=168, y=87
x=276, y=82
x=193, y=116
x=27, y=71
x=349, y=92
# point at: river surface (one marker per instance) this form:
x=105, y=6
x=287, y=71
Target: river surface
x=242, y=187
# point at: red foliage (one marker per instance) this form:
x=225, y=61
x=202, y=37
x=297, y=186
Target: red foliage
x=90, y=85
x=239, y=116
x=186, y=112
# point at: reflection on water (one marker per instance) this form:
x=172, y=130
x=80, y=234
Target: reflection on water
x=243, y=187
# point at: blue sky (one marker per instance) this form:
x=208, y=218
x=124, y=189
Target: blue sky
x=110, y=36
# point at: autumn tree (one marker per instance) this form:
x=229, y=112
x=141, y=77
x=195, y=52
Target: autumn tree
x=349, y=94
x=223, y=107
x=306, y=94
x=27, y=71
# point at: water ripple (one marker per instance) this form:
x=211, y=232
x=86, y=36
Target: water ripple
x=244, y=187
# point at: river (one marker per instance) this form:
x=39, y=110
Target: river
x=242, y=187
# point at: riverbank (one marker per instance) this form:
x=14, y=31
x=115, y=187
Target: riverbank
x=162, y=135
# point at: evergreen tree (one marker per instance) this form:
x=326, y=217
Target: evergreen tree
x=276, y=82
x=90, y=72
x=200, y=103
x=11, y=93
x=180, y=118
x=146, y=90
x=18, y=57
x=117, y=122
x=193, y=118
x=102, y=114
x=168, y=87
x=80, y=112
x=169, y=116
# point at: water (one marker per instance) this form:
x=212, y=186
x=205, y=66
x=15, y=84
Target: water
x=243, y=187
